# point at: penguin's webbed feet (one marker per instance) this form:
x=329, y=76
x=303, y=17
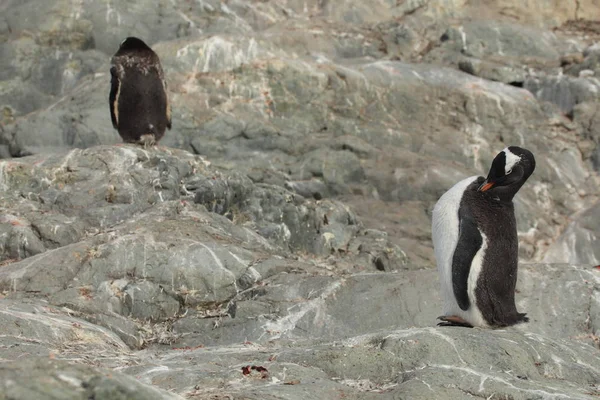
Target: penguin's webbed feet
x=523, y=317
x=453, y=320
x=147, y=140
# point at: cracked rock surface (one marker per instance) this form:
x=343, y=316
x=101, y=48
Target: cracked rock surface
x=381, y=105
x=203, y=283
x=276, y=245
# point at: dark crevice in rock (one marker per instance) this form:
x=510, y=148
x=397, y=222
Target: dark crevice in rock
x=570, y=115
x=379, y=264
x=588, y=312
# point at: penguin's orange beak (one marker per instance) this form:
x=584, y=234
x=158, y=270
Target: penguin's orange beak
x=486, y=186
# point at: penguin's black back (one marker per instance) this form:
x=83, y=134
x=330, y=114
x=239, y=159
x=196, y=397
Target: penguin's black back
x=138, y=98
x=495, y=288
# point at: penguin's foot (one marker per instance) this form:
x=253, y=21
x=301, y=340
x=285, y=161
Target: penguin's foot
x=453, y=320
x=523, y=317
x=147, y=140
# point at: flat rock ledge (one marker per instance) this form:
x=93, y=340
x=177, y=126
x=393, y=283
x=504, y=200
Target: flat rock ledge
x=359, y=336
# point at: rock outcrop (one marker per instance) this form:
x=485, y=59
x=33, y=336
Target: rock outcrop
x=150, y=261
x=277, y=243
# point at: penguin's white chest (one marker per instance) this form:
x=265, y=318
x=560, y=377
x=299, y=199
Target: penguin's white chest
x=445, y=234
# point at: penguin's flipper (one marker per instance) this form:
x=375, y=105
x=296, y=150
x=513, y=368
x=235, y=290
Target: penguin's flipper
x=453, y=320
x=113, y=97
x=469, y=243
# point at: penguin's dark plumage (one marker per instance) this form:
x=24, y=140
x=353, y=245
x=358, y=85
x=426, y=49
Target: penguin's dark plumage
x=476, y=245
x=139, y=105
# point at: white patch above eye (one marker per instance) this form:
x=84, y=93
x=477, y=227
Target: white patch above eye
x=511, y=160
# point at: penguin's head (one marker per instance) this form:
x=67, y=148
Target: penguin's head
x=133, y=43
x=510, y=169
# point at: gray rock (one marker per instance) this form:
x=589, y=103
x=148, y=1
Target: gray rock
x=338, y=169
x=586, y=115
x=376, y=249
x=394, y=351
x=41, y=231
x=38, y=21
x=310, y=188
x=493, y=71
x=590, y=63
x=297, y=117
x=34, y=75
x=54, y=379
x=564, y=91
x=298, y=243
x=68, y=123
x=311, y=334
x=121, y=223
x=38, y=329
x=482, y=39
x=499, y=51
x=577, y=244
x=548, y=13
x=18, y=98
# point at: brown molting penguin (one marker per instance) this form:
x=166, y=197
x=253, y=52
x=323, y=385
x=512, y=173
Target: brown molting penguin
x=139, y=105
x=476, y=245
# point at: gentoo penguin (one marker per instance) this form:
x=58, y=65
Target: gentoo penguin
x=476, y=246
x=139, y=106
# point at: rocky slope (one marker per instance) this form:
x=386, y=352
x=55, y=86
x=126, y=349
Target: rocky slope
x=277, y=243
